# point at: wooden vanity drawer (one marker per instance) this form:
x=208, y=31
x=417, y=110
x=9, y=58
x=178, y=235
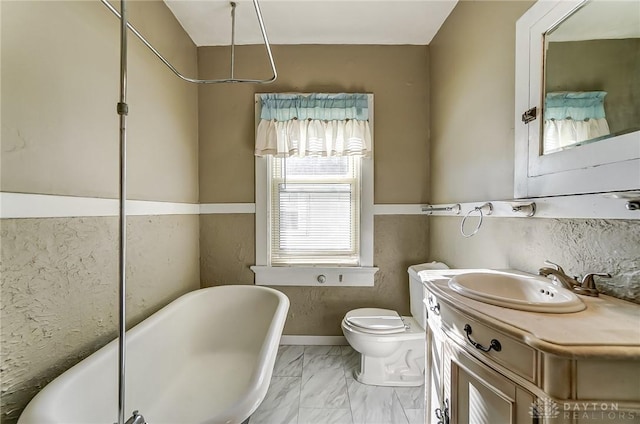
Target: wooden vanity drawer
x=513, y=355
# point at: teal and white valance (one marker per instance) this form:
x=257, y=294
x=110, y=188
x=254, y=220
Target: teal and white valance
x=578, y=106
x=314, y=125
x=571, y=118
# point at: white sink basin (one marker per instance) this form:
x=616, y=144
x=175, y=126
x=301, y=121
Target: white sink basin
x=516, y=291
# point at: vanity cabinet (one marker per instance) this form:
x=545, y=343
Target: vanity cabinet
x=487, y=364
x=461, y=387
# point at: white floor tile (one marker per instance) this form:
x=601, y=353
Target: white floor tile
x=289, y=361
x=370, y=404
x=322, y=350
x=415, y=416
x=313, y=363
x=324, y=416
x=411, y=397
x=346, y=350
x=351, y=361
x=397, y=412
x=315, y=385
x=323, y=383
x=280, y=405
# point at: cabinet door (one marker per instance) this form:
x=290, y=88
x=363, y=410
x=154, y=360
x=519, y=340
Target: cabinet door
x=611, y=164
x=433, y=376
x=480, y=395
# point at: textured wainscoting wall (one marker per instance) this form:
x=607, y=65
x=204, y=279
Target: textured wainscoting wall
x=578, y=245
x=60, y=285
x=228, y=250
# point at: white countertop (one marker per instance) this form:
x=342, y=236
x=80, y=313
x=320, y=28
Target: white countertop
x=607, y=328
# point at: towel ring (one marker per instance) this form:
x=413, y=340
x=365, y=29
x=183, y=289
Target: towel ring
x=479, y=209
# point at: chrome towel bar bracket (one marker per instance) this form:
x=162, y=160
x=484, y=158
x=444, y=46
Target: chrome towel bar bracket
x=431, y=209
x=527, y=209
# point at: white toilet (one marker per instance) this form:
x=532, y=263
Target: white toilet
x=391, y=347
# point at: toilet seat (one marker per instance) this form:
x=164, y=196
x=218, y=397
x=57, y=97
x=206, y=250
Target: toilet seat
x=375, y=321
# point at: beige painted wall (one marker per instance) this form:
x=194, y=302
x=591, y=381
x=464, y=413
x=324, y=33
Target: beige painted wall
x=472, y=119
x=600, y=65
x=60, y=86
x=398, y=78
x=396, y=75
x=60, y=70
x=227, y=247
x=472, y=100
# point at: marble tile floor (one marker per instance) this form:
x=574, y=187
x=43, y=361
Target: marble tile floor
x=315, y=385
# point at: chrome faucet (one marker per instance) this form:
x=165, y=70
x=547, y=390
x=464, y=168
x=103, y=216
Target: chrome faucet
x=587, y=287
x=557, y=274
x=136, y=419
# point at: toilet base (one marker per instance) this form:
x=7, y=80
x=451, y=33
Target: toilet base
x=403, y=368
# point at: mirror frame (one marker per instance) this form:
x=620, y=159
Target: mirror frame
x=592, y=168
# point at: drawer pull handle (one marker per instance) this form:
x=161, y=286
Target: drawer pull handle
x=442, y=414
x=494, y=344
x=436, y=308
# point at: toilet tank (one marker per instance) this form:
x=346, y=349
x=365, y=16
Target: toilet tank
x=416, y=290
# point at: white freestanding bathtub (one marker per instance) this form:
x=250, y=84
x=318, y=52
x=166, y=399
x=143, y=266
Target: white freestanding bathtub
x=207, y=357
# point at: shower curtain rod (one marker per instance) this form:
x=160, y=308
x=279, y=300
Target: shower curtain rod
x=211, y=81
x=123, y=110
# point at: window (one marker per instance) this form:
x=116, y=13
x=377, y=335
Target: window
x=314, y=192
x=315, y=210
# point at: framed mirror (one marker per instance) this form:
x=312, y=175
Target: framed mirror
x=577, y=98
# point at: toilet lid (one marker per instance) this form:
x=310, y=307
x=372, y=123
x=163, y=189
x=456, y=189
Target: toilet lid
x=373, y=320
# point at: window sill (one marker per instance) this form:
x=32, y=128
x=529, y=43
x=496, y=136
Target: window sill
x=335, y=276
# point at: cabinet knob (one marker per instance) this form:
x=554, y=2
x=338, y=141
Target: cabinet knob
x=322, y=279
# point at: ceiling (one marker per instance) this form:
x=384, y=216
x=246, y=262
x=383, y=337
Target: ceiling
x=208, y=23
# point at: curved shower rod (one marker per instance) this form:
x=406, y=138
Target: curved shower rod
x=210, y=81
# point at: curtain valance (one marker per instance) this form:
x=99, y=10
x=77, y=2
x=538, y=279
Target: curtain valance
x=578, y=106
x=573, y=117
x=313, y=125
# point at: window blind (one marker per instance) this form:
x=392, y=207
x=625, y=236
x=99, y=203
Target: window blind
x=315, y=210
